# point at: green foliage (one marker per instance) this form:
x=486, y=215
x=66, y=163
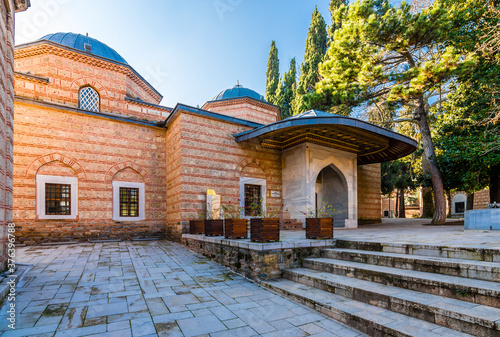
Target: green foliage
x=272, y=74
x=383, y=52
x=286, y=90
x=334, y=6
x=397, y=175
x=316, y=45
x=467, y=140
x=467, y=130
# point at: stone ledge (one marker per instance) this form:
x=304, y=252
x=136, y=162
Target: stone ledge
x=256, y=261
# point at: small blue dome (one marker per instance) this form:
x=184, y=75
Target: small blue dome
x=238, y=91
x=78, y=41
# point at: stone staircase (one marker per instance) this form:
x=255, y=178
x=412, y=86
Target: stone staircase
x=401, y=290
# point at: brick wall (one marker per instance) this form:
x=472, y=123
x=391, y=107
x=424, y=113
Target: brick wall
x=97, y=150
x=246, y=108
x=482, y=199
x=66, y=76
x=369, y=202
x=6, y=122
x=208, y=157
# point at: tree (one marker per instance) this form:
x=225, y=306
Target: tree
x=290, y=86
x=396, y=57
x=272, y=73
x=334, y=6
x=316, y=45
x=467, y=131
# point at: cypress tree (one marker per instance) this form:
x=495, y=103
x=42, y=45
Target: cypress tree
x=290, y=86
x=272, y=74
x=316, y=45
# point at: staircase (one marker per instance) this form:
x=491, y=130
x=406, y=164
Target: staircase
x=401, y=290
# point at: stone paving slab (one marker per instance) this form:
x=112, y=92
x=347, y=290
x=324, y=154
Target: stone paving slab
x=156, y=288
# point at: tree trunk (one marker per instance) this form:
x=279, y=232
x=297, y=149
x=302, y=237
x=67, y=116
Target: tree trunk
x=470, y=202
x=402, y=204
x=437, y=183
x=495, y=184
x=396, y=209
x=427, y=196
x=448, y=196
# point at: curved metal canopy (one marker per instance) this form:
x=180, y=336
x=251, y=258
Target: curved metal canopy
x=372, y=144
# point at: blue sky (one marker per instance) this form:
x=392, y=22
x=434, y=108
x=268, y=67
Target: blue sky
x=188, y=50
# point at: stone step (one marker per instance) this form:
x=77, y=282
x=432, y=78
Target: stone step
x=488, y=271
x=471, y=318
x=372, y=320
x=470, y=290
x=451, y=252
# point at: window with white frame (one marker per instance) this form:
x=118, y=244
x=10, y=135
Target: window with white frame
x=88, y=99
x=252, y=196
x=128, y=201
x=56, y=197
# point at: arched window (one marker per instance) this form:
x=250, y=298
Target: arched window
x=88, y=99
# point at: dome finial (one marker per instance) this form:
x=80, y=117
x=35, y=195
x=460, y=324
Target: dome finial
x=238, y=85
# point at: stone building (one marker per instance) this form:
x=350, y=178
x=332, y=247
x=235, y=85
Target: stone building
x=7, y=10
x=96, y=156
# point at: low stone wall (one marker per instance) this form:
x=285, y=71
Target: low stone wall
x=256, y=261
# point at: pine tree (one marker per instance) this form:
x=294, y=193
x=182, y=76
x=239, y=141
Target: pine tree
x=272, y=74
x=316, y=45
x=334, y=6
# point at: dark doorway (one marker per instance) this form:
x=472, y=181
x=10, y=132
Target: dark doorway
x=331, y=189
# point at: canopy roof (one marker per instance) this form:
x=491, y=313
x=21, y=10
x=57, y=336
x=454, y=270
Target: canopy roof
x=372, y=144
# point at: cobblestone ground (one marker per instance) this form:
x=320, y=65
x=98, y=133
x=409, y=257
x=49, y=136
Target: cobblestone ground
x=155, y=288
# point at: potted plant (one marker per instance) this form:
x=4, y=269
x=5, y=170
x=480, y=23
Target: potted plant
x=197, y=226
x=319, y=221
x=234, y=226
x=265, y=224
x=213, y=223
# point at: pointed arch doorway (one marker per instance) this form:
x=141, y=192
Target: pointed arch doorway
x=331, y=189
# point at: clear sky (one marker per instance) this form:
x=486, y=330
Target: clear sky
x=188, y=50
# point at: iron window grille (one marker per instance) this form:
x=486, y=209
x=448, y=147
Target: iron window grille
x=252, y=200
x=88, y=99
x=57, y=199
x=129, y=202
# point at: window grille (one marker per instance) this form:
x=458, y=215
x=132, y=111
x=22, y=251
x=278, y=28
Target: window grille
x=57, y=199
x=89, y=99
x=129, y=202
x=252, y=200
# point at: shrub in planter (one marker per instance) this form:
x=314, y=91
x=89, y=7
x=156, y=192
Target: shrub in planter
x=266, y=225
x=196, y=226
x=319, y=222
x=234, y=226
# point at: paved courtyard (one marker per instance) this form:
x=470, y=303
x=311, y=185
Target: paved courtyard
x=154, y=288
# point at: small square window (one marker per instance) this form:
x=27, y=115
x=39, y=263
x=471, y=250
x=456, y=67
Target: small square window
x=129, y=202
x=57, y=199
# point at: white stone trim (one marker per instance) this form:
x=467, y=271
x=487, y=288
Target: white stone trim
x=41, y=180
x=252, y=181
x=116, y=201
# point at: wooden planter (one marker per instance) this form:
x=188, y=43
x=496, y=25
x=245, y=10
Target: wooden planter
x=263, y=230
x=319, y=228
x=196, y=226
x=214, y=227
x=235, y=228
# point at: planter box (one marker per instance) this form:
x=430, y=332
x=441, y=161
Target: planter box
x=196, y=226
x=319, y=228
x=263, y=230
x=214, y=227
x=235, y=228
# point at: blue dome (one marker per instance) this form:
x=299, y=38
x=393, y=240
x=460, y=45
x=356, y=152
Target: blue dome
x=78, y=41
x=237, y=92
